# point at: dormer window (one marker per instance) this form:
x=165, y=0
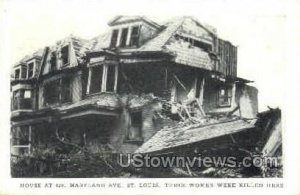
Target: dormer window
x=134, y=38
x=20, y=73
x=65, y=55
x=17, y=73
x=124, y=37
x=30, y=70
x=23, y=72
x=114, y=38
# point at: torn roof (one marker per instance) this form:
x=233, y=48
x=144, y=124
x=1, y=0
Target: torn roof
x=99, y=43
x=104, y=100
x=179, y=136
x=161, y=41
x=79, y=45
x=171, y=28
x=157, y=43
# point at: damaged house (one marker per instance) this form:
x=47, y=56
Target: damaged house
x=132, y=89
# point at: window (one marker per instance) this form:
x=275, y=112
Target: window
x=124, y=37
x=20, y=136
x=30, y=70
x=96, y=79
x=21, y=139
x=23, y=72
x=114, y=38
x=27, y=94
x=65, y=90
x=53, y=61
x=17, y=73
x=22, y=99
x=134, y=39
x=58, y=91
x=65, y=55
x=51, y=92
x=102, y=83
x=224, y=96
x=18, y=93
x=110, y=78
x=135, y=131
x=22, y=93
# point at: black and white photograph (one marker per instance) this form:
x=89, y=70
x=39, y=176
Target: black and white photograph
x=120, y=90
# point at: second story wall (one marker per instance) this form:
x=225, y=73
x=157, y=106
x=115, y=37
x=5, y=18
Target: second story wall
x=227, y=55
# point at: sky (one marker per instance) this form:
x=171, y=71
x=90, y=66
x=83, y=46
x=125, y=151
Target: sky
x=258, y=28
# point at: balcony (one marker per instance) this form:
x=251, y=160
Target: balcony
x=19, y=103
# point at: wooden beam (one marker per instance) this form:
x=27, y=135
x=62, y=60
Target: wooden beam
x=119, y=37
x=89, y=81
x=180, y=83
x=233, y=91
x=89, y=112
x=104, y=78
x=128, y=36
x=29, y=139
x=116, y=78
x=127, y=81
x=166, y=77
x=195, y=86
x=201, y=91
x=32, y=121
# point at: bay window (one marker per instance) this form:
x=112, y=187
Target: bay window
x=102, y=78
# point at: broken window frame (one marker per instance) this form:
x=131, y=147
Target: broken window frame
x=226, y=96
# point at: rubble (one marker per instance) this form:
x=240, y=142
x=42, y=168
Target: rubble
x=159, y=90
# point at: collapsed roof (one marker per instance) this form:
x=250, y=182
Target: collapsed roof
x=163, y=39
x=179, y=136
